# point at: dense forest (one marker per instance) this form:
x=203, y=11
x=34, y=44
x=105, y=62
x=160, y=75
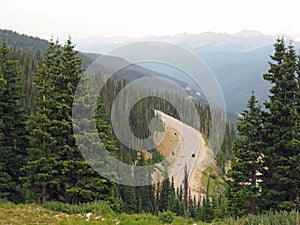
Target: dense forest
x=41, y=163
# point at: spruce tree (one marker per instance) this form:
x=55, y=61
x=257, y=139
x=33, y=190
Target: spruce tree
x=12, y=124
x=208, y=211
x=41, y=169
x=164, y=195
x=129, y=197
x=173, y=203
x=56, y=169
x=71, y=165
x=186, y=189
x=5, y=179
x=281, y=174
x=243, y=190
x=78, y=181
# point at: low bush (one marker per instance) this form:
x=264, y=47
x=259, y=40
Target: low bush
x=166, y=217
x=273, y=218
x=97, y=207
x=267, y=218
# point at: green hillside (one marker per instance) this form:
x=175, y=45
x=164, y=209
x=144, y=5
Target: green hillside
x=22, y=41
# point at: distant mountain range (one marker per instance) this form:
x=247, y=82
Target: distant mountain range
x=29, y=44
x=238, y=60
x=243, y=41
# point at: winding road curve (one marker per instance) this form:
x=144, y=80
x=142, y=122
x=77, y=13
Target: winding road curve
x=191, y=145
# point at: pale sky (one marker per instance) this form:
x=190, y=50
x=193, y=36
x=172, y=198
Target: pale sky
x=137, y=18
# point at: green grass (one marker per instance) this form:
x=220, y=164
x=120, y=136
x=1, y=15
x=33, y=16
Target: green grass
x=216, y=182
x=23, y=214
x=205, y=139
x=97, y=207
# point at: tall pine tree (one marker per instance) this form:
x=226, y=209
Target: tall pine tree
x=242, y=189
x=281, y=174
x=12, y=122
x=41, y=169
x=5, y=179
x=56, y=169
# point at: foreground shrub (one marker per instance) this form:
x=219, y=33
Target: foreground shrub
x=274, y=218
x=268, y=218
x=97, y=207
x=166, y=217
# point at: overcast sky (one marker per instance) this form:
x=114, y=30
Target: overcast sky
x=136, y=18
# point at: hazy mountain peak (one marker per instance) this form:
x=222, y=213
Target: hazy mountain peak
x=249, y=33
x=244, y=40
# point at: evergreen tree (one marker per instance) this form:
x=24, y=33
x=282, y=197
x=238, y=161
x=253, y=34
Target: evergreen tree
x=79, y=181
x=5, y=179
x=204, y=212
x=243, y=190
x=208, y=211
x=225, y=152
x=41, y=169
x=281, y=174
x=185, y=189
x=129, y=198
x=145, y=193
x=191, y=203
x=199, y=212
x=179, y=205
x=55, y=165
x=72, y=167
x=12, y=124
x=164, y=195
x=173, y=203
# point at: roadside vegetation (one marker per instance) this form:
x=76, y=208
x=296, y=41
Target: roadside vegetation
x=55, y=213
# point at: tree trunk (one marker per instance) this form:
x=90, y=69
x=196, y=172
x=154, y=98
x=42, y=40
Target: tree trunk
x=43, y=194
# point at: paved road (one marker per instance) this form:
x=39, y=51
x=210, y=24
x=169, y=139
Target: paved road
x=191, y=145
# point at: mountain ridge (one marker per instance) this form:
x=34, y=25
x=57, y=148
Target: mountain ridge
x=238, y=60
x=256, y=38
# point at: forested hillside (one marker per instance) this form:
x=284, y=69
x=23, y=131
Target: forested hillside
x=24, y=42
x=40, y=161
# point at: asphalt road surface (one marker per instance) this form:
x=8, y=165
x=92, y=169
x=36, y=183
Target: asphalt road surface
x=191, y=145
